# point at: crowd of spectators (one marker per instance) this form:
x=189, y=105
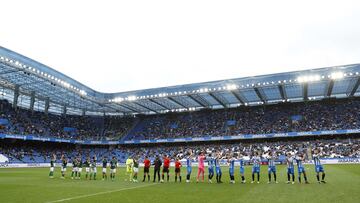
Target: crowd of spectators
x=26, y=122
x=287, y=117
x=329, y=148
x=349, y=148
x=298, y=117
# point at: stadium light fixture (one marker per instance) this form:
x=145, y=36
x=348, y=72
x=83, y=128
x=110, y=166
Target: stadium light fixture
x=231, y=87
x=337, y=75
x=118, y=99
x=308, y=78
x=82, y=92
x=131, y=98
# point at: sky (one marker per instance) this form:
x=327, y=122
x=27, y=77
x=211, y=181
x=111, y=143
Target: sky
x=114, y=46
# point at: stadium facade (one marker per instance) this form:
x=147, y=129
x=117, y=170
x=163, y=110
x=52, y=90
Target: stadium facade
x=29, y=84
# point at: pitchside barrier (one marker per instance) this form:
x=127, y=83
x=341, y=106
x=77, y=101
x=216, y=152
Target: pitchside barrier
x=189, y=139
x=194, y=164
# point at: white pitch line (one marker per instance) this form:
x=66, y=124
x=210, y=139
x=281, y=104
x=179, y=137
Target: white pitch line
x=100, y=193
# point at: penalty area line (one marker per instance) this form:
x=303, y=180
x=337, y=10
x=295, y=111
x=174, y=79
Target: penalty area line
x=100, y=193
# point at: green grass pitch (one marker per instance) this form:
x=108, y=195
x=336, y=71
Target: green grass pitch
x=34, y=185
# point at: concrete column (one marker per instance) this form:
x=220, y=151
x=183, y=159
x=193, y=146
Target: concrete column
x=16, y=95
x=64, y=110
x=32, y=100
x=47, y=105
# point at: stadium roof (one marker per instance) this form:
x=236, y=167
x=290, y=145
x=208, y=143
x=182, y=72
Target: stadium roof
x=35, y=80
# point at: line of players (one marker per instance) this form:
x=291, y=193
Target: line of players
x=213, y=160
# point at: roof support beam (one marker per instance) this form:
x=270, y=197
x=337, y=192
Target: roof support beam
x=128, y=107
x=282, y=92
x=330, y=88
x=261, y=96
x=145, y=107
x=177, y=102
x=238, y=97
x=354, y=88
x=8, y=72
x=305, y=92
x=160, y=104
x=219, y=100
x=33, y=82
x=199, y=101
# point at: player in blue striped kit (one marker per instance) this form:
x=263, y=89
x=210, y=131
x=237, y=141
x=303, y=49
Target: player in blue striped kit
x=188, y=166
x=318, y=167
x=231, y=161
x=218, y=168
x=301, y=169
x=272, y=166
x=242, y=168
x=290, y=168
x=256, y=167
x=211, y=166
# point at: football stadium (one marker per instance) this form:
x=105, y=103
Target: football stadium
x=253, y=135
x=267, y=136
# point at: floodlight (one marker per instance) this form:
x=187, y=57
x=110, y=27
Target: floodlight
x=231, y=87
x=131, y=98
x=336, y=75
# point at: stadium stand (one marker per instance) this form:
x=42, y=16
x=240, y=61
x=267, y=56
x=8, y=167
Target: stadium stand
x=43, y=111
x=298, y=117
x=312, y=116
x=25, y=122
x=331, y=147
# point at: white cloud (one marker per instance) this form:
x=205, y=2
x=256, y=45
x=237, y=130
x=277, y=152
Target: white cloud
x=124, y=45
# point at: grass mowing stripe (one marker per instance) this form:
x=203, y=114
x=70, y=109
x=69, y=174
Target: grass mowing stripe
x=100, y=193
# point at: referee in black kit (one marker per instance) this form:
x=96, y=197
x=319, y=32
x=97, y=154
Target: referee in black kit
x=157, y=165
